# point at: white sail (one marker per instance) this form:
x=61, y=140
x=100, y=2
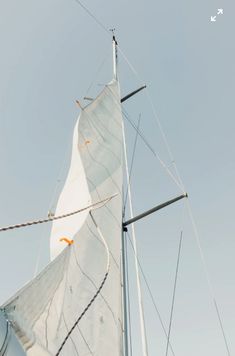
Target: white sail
x=44, y=312
x=75, y=195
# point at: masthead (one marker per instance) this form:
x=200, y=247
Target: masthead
x=115, y=58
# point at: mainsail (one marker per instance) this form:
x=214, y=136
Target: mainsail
x=44, y=314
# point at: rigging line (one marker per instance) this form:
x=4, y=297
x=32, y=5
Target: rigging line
x=132, y=161
x=98, y=290
x=138, y=281
x=151, y=295
x=108, y=32
x=93, y=16
x=130, y=65
x=198, y=241
x=154, y=152
x=85, y=341
x=128, y=298
x=174, y=292
x=164, y=138
x=221, y=325
x=96, y=74
x=29, y=223
x=125, y=114
x=157, y=119
x=132, y=68
x=190, y=213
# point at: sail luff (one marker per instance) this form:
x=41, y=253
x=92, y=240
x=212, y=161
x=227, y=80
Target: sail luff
x=43, y=313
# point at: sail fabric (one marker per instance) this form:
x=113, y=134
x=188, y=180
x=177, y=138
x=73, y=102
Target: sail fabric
x=75, y=195
x=45, y=310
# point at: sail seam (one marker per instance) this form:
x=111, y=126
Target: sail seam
x=46, y=320
x=98, y=194
x=103, y=166
x=92, y=123
x=85, y=341
x=95, y=129
x=67, y=328
x=94, y=285
x=111, y=254
x=96, y=294
x=82, y=314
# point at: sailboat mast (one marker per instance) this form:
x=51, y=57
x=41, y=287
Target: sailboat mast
x=124, y=298
x=124, y=294
x=124, y=279
x=138, y=282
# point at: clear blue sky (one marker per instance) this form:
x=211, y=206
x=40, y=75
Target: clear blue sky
x=50, y=54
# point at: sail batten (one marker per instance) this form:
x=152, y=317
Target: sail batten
x=44, y=313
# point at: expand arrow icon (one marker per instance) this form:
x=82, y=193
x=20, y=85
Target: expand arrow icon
x=213, y=18
x=220, y=12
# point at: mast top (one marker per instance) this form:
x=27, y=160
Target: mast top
x=113, y=32
x=115, y=57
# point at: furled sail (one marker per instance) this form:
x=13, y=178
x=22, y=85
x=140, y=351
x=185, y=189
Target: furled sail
x=45, y=312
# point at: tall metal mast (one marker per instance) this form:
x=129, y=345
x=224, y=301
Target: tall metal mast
x=124, y=280
x=138, y=282
x=131, y=222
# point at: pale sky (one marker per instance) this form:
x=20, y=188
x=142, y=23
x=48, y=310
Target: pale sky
x=51, y=52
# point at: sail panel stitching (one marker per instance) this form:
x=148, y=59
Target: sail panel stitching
x=72, y=341
x=111, y=254
x=46, y=320
x=82, y=314
x=113, y=216
x=94, y=285
x=85, y=341
x=96, y=294
x=95, y=128
x=92, y=122
x=102, y=165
